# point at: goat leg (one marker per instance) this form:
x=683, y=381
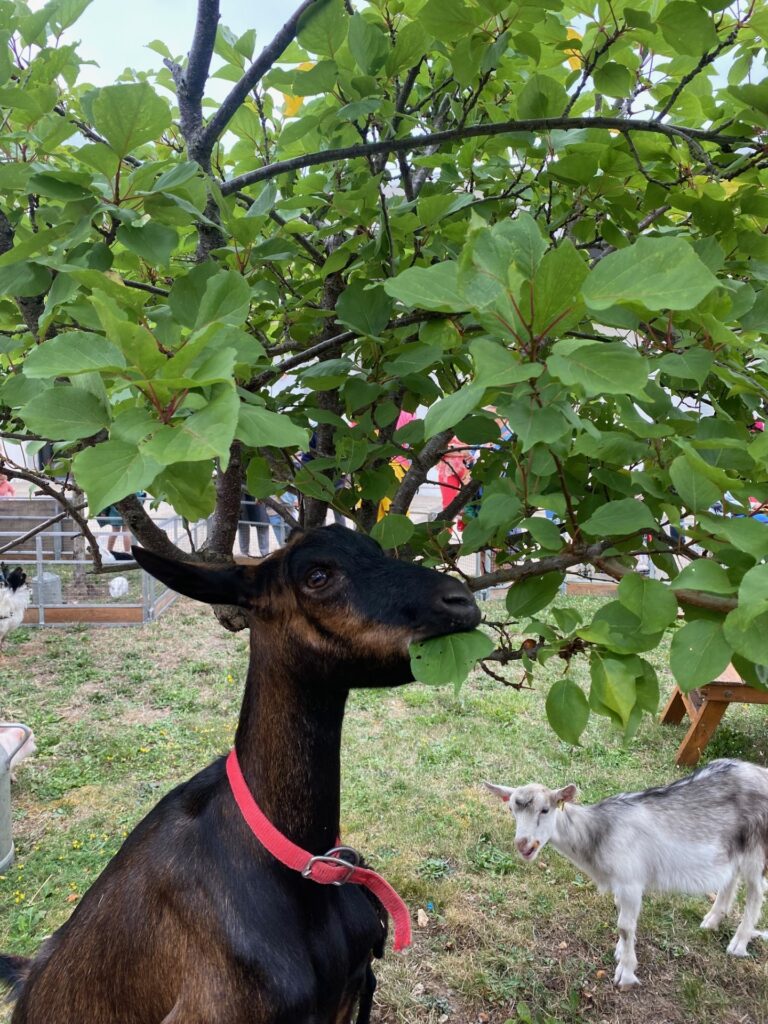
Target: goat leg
x=628, y=901
x=366, y=997
x=752, y=906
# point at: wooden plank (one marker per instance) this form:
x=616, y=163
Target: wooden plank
x=701, y=731
x=738, y=694
x=588, y=589
x=164, y=601
x=127, y=613
x=674, y=712
x=729, y=675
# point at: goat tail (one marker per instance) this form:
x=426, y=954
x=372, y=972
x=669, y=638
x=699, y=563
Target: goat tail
x=13, y=973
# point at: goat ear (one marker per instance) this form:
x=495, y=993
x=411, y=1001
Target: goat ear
x=567, y=794
x=227, y=584
x=502, y=792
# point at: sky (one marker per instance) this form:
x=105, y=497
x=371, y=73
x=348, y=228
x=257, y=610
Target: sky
x=115, y=33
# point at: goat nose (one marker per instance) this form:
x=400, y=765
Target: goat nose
x=459, y=604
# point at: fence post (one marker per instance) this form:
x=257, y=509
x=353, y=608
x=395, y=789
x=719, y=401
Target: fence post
x=40, y=594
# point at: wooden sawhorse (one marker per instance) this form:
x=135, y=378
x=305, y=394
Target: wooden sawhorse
x=705, y=707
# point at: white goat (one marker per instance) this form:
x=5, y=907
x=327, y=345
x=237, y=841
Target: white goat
x=699, y=834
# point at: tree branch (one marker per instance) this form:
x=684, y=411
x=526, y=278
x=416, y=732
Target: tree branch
x=706, y=59
x=210, y=133
x=147, y=532
x=697, y=598
x=200, y=53
x=329, y=343
x=692, y=136
x=229, y=495
x=552, y=563
x=421, y=463
x=462, y=498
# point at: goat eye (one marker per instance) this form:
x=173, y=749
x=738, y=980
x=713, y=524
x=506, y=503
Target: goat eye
x=317, y=578
x=545, y=810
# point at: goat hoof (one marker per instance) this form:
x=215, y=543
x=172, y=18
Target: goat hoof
x=624, y=979
x=737, y=948
x=711, y=923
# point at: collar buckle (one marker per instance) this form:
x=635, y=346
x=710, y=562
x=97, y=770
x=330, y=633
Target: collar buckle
x=334, y=857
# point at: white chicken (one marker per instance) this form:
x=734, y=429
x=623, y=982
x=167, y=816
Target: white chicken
x=118, y=587
x=14, y=598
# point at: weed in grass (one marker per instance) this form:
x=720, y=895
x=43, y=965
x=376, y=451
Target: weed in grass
x=434, y=867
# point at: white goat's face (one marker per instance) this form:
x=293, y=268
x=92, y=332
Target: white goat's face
x=534, y=809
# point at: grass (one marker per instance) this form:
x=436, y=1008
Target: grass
x=121, y=715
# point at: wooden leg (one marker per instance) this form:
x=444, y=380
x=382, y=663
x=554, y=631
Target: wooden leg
x=674, y=712
x=701, y=730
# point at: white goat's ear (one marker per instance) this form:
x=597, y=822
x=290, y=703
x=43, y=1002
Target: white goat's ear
x=502, y=792
x=567, y=794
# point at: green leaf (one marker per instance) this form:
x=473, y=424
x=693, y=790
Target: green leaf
x=753, y=590
x=449, y=20
x=614, y=688
x=368, y=44
x=619, y=518
x=433, y=287
x=414, y=359
x=448, y=659
x=658, y=273
x=747, y=634
x=556, y=289
x=65, y=413
x=651, y=601
x=567, y=710
x=363, y=309
x=226, y=300
x=393, y=531
x=153, y=242
x=529, y=596
x=128, y=115
x=112, y=470
x=495, y=366
x=619, y=629
x=704, y=574
x=546, y=533
x=526, y=241
x=206, y=434
x=23, y=279
x=188, y=486
x=687, y=28
x=696, y=491
x=452, y=409
x=693, y=364
x=610, y=368
x=72, y=353
x=260, y=428
x=698, y=653
x=533, y=424
x=541, y=96
x=323, y=28
x=613, y=80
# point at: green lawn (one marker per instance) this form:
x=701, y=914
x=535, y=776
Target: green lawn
x=121, y=715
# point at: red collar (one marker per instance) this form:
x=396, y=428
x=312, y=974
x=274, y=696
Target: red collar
x=325, y=869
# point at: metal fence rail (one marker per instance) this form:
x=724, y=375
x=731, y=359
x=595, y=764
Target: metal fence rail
x=64, y=590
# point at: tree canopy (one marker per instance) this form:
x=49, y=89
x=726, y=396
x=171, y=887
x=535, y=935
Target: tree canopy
x=550, y=213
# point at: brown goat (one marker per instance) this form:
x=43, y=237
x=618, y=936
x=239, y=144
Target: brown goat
x=193, y=921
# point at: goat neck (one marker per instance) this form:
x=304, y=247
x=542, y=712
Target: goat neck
x=573, y=835
x=288, y=743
